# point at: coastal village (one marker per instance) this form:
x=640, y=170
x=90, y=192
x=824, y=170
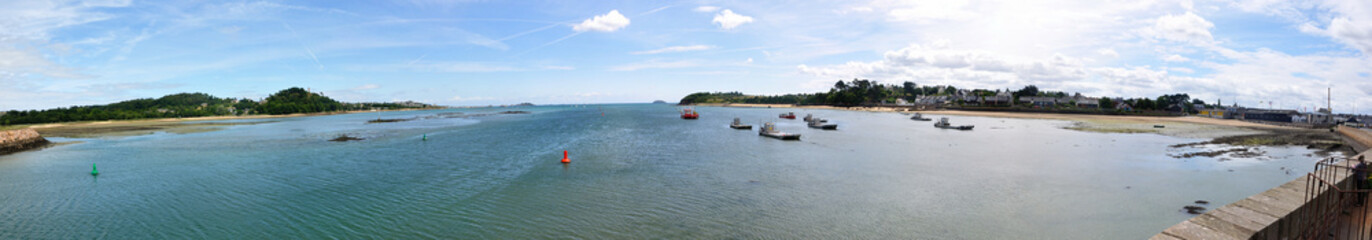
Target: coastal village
x=966, y=100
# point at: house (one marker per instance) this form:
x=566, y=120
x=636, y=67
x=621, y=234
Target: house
x=1042, y=101
x=1087, y=102
x=1122, y=106
x=996, y=100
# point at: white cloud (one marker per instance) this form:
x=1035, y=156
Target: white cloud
x=673, y=49
x=1176, y=58
x=1107, y=52
x=609, y=22
x=652, y=64
x=727, y=19
x=366, y=87
x=706, y=9
x=470, y=99
x=922, y=12
x=1188, y=28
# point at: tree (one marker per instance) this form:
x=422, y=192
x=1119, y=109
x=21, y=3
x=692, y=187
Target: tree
x=908, y=87
x=1030, y=90
x=840, y=85
x=1106, y=103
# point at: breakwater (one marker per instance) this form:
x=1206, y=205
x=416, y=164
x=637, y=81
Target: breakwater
x=19, y=140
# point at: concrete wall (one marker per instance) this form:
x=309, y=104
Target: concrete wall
x=20, y=140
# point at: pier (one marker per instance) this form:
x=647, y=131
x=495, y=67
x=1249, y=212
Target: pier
x=1323, y=204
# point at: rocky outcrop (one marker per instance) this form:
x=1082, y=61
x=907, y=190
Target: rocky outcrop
x=12, y=141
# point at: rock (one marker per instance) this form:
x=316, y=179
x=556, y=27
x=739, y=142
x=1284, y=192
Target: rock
x=345, y=138
x=12, y=141
x=1202, y=202
x=1193, y=209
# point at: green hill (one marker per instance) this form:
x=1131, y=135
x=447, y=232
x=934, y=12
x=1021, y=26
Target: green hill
x=288, y=101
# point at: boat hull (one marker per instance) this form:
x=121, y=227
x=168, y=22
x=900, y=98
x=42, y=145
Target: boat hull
x=825, y=126
x=741, y=127
x=782, y=136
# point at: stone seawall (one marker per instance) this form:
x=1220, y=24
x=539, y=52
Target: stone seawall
x=19, y=140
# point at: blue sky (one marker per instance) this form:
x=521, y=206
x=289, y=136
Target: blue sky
x=1258, y=53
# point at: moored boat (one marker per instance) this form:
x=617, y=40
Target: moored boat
x=770, y=130
x=919, y=117
x=821, y=124
x=737, y=124
x=789, y=115
x=809, y=118
x=689, y=113
x=943, y=123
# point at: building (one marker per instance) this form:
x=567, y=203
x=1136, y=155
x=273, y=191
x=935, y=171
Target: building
x=1220, y=113
x=1270, y=115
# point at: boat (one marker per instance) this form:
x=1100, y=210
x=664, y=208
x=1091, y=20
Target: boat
x=809, y=118
x=821, y=124
x=919, y=117
x=689, y=114
x=943, y=123
x=739, y=125
x=770, y=130
x=789, y=115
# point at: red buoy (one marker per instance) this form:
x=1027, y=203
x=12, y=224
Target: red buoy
x=564, y=157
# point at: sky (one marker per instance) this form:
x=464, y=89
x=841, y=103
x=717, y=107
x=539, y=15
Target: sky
x=1277, y=53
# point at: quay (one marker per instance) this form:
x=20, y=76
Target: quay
x=1323, y=204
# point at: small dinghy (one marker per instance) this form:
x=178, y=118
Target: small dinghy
x=770, y=130
x=943, y=123
x=739, y=125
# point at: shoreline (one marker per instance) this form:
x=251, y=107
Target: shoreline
x=1185, y=126
x=174, y=125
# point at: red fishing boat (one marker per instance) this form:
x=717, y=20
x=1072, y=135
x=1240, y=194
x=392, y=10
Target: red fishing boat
x=789, y=115
x=689, y=114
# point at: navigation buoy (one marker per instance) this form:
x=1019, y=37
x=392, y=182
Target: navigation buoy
x=564, y=157
x=426, y=137
x=94, y=172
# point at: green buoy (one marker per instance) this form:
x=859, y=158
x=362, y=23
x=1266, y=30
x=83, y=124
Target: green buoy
x=426, y=137
x=93, y=171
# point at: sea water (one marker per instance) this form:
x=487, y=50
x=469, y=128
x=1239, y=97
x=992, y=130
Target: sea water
x=637, y=171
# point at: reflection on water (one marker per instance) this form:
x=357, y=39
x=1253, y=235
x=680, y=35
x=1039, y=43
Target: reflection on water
x=637, y=171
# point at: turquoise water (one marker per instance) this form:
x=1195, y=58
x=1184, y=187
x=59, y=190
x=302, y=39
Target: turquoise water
x=637, y=171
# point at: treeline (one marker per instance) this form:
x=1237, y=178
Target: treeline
x=856, y=92
x=288, y=101
x=859, y=92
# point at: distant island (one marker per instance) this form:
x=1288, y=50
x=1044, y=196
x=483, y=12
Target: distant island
x=659, y=102
x=289, y=101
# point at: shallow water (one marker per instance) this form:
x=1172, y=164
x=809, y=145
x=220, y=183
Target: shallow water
x=637, y=171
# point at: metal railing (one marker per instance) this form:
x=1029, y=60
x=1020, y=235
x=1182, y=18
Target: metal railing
x=1334, y=201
